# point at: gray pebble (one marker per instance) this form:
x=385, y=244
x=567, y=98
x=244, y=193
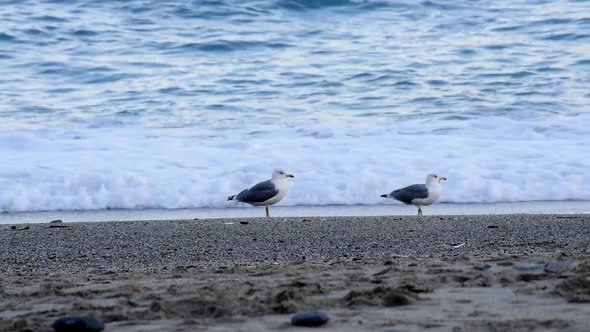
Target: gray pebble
x=528, y=267
x=557, y=266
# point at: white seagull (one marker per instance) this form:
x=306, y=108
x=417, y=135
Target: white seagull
x=419, y=194
x=266, y=193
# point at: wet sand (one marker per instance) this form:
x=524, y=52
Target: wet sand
x=448, y=273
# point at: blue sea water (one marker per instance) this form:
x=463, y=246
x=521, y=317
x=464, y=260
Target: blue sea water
x=178, y=104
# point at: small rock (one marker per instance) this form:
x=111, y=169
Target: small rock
x=156, y=306
x=310, y=318
x=20, y=324
x=496, y=269
x=394, y=299
x=557, y=266
x=12, y=227
x=492, y=226
x=528, y=277
x=78, y=324
x=56, y=221
x=58, y=225
x=244, y=222
x=528, y=267
x=382, y=272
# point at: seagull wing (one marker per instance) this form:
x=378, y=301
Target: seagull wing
x=410, y=193
x=259, y=193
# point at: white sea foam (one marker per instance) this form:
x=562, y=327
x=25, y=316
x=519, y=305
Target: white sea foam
x=485, y=160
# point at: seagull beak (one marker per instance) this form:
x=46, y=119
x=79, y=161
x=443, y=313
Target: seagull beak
x=290, y=175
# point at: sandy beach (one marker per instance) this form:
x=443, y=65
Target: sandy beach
x=436, y=273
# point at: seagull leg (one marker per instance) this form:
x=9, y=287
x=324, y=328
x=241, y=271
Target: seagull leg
x=419, y=212
x=267, y=212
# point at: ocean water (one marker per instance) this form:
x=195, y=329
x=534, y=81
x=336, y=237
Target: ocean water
x=176, y=104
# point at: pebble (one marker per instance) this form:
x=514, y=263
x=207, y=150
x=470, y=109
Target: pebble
x=78, y=324
x=496, y=269
x=310, y=318
x=20, y=229
x=394, y=299
x=557, y=266
x=244, y=222
x=528, y=267
x=56, y=221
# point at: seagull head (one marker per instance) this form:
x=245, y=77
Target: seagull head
x=281, y=174
x=433, y=178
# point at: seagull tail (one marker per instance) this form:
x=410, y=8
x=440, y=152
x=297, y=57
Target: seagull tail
x=231, y=198
x=385, y=195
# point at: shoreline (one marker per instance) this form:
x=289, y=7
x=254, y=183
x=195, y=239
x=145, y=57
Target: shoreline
x=396, y=273
x=392, y=209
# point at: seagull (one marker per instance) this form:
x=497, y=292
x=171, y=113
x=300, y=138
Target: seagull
x=419, y=194
x=266, y=193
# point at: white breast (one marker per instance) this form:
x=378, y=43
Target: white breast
x=283, y=187
x=433, y=196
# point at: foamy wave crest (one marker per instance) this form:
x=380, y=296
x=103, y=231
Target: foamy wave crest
x=485, y=160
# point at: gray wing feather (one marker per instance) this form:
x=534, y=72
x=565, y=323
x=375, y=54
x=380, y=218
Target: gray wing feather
x=409, y=193
x=259, y=193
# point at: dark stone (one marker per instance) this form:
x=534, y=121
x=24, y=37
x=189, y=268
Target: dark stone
x=244, y=222
x=78, y=324
x=56, y=221
x=382, y=272
x=20, y=324
x=156, y=306
x=492, y=226
x=528, y=277
x=310, y=318
x=12, y=227
x=394, y=299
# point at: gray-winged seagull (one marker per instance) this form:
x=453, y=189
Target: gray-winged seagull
x=419, y=194
x=266, y=193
